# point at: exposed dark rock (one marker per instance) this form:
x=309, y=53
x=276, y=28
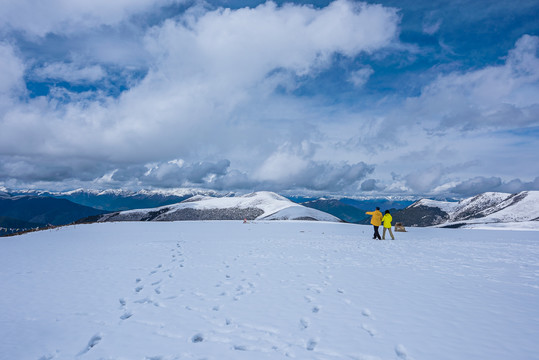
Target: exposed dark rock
x=420, y=215
x=186, y=214
x=212, y=214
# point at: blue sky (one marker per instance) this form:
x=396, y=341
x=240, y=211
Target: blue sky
x=332, y=97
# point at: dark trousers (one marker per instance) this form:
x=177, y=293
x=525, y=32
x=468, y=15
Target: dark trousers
x=376, y=233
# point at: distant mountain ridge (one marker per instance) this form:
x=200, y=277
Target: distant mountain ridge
x=20, y=213
x=261, y=205
x=118, y=199
x=337, y=208
x=486, y=208
x=40, y=208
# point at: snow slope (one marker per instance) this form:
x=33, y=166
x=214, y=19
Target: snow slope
x=259, y=205
x=517, y=207
x=488, y=210
x=445, y=206
x=268, y=290
x=478, y=206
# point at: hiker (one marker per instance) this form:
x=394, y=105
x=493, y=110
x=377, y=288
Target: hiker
x=376, y=221
x=387, y=225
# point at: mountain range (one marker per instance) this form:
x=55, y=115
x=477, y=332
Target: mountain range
x=260, y=205
x=23, y=210
x=483, y=210
x=117, y=199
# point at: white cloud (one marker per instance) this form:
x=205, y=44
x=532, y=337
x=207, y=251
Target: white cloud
x=38, y=18
x=431, y=24
x=11, y=80
x=460, y=126
x=424, y=180
x=361, y=76
x=70, y=72
x=484, y=97
x=212, y=75
x=210, y=93
x=11, y=70
x=242, y=47
x=482, y=184
x=282, y=166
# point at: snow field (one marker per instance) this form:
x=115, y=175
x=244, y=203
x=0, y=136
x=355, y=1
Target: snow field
x=268, y=290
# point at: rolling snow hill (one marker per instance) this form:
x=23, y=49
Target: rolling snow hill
x=489, y=209
x=259, y=205
x=221, y=290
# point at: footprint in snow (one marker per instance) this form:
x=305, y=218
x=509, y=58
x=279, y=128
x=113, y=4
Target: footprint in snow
x=126, y=315
x=401, y=352
x=148, y=300
x=93, y=342
x=369, y=329
x=49, y=356
x=311, y=344
x=197, y=338
x=316, y=289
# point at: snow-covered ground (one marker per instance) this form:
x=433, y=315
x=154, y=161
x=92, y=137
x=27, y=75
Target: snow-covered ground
x=268, y=290
x=511, y=226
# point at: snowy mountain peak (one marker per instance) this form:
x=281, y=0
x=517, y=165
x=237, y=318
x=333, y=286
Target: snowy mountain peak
x=469, y=207
x=486, y=208
x=262, y=205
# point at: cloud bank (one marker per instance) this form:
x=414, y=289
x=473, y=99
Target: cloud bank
x=175, y=94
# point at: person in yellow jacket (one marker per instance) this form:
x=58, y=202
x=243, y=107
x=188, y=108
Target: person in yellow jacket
x=387, y=225
x=376, y=221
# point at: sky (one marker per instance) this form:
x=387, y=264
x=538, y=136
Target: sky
x=341, y=97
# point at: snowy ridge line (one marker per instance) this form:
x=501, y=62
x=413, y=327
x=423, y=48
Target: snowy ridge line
x=261, y=205
x=195, y=191
x=484, y=209
x=120, y=192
